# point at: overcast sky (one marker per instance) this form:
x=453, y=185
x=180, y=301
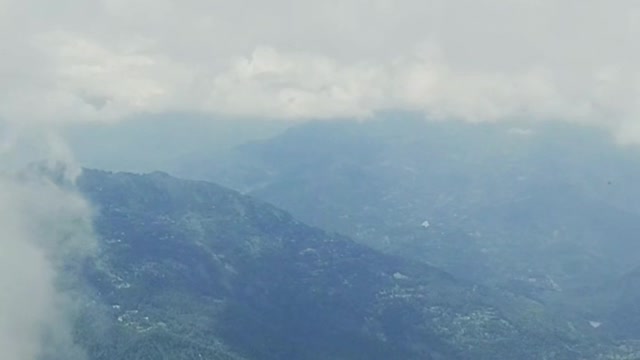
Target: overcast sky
x=477, y=60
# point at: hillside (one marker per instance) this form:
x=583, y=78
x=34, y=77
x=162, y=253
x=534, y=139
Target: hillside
x=190, y=270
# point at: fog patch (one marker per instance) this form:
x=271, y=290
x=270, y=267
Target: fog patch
x=46, y=234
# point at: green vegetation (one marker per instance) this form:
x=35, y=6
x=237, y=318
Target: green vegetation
x=190, y=270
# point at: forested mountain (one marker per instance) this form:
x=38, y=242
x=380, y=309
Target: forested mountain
x=191, y=270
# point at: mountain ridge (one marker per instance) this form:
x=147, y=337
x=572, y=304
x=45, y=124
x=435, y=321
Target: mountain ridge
x=189, y=267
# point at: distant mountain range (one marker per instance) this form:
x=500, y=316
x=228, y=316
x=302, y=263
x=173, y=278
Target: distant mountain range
x=548, y=211
x=505, y=202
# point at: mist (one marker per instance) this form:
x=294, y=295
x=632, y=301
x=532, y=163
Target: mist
x=46, y=235
x=493, y=60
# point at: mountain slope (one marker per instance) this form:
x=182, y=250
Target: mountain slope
x=539, y=207
x=190, y=270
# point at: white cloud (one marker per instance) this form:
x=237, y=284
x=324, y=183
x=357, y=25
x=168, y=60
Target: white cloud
x=43, y=226
x=296, y=86
x=485, y=60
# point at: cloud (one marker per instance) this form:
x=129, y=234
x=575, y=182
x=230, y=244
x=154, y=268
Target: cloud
x=46, y=231
x=43, y=226
x=487, y=60
x=277, y=84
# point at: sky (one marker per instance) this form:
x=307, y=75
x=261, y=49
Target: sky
x=472, y=60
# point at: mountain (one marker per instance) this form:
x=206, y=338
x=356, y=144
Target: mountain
x=541, y=208
x=191, y=270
